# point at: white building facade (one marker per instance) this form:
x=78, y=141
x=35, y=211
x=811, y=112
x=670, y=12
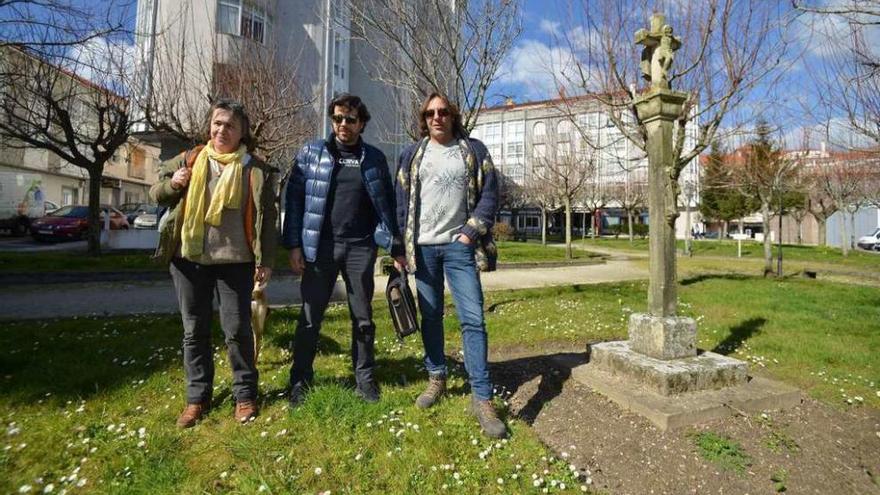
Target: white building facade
x=520, y=137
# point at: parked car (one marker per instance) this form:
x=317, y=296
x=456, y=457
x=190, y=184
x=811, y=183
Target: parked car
x=149, y=220
x=71, y=222
x=870, y=241
x=134, y=210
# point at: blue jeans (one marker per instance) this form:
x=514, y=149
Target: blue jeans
x=456, y=262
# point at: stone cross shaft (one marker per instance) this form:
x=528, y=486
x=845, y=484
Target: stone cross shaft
x=658, y=108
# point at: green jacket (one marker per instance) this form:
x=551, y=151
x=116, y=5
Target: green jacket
x=258, y=201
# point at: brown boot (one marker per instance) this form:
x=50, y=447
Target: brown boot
x=436, y=389
x=488, y=418
x=245, y=410
x=192, y=414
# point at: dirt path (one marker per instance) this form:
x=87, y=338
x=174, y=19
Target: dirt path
x=813, y=447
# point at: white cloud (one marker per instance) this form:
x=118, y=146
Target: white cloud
x=105, y=62
x=537, y=66
x=550, y=27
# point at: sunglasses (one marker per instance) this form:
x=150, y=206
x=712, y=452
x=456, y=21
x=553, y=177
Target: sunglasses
x=440, y=112
x=348, y=119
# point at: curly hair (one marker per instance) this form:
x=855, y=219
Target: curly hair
x=454, y=113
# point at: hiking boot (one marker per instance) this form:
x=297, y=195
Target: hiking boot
x=192, y=414
x=436, y=389
x=297, y=394
x=488, y=419
x=245, y=410
x=367, y=391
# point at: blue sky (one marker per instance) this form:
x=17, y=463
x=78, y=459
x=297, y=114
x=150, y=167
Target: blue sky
x=526, y=76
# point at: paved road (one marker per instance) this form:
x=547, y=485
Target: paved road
x=28, y=244
x=121, y=298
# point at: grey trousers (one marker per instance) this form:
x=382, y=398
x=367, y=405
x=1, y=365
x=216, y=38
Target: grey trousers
x=355, y=261
x=195, y=284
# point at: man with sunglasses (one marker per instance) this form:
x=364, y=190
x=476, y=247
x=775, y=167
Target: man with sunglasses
x=447, y=193
x=339, y=208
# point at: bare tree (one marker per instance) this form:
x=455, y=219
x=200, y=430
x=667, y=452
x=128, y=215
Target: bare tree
x=818, y=202
x=729, y=49
x=566, y=174
x=46, y=104
x=541, y=194
x=454, y=47
x=595, y=196
x=184, y=78
x=766, y=173
x=632, y=196
x=848, y=75
x=47, y=25
x=839, y=180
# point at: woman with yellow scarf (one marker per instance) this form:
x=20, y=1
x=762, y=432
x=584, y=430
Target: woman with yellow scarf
x=219, y=237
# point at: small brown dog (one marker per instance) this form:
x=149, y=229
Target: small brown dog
x=259, y=313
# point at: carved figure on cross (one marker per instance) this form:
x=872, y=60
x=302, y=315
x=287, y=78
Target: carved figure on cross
x=658, y=52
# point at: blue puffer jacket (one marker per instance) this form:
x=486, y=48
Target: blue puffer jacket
x=306, y=199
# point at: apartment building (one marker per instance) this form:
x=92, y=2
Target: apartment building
x=311, y=37
x=523, y=137
x=126, y=178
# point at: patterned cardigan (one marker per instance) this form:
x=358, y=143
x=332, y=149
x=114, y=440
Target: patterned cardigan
x=482, y=199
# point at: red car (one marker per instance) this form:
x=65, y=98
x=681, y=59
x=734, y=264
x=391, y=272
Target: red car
x=71, y=222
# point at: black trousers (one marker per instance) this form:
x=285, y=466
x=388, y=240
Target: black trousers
x=355, y=261
x=195, y=284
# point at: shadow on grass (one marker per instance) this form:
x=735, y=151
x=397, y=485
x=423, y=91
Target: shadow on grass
x=552, y=370
x=715, y=276
x=78, y=358
x=739, y=334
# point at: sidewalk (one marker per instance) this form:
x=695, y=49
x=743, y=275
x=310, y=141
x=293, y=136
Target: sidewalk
x=157, y=296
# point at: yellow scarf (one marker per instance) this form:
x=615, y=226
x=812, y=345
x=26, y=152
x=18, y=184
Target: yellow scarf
x=227, y=194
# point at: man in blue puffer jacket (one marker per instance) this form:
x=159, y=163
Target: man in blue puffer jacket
x=339, y=208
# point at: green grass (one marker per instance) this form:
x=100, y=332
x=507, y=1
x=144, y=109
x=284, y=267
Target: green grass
x=722, y=451
x=534, y=252
x=65, y=382
x=821, y=255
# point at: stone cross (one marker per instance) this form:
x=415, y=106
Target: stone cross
x=658, y=52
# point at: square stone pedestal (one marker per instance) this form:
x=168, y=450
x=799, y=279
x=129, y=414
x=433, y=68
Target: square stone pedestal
x=679, y=392
x=704, y=371
x=663, y=337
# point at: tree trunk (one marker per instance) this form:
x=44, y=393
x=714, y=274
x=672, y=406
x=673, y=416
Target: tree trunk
x=852, y=233
x=800, y=230
x=629, y=219
x=594, y=221
x=94, y=231
x=543, y=226
x=687, y=227
x=583, y=225
x=821, y=226
x=844, y=235
x=724, y=230
x=568, y=253
x=768, y=248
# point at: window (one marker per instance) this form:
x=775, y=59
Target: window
x=492, y=139
x=539, y=151
x=515, y=140
x=241, y=19
x=137, y=164
x=539, y=129
x=69, y=196
x=228, y=12
x=563, y=149
x=563, y=127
